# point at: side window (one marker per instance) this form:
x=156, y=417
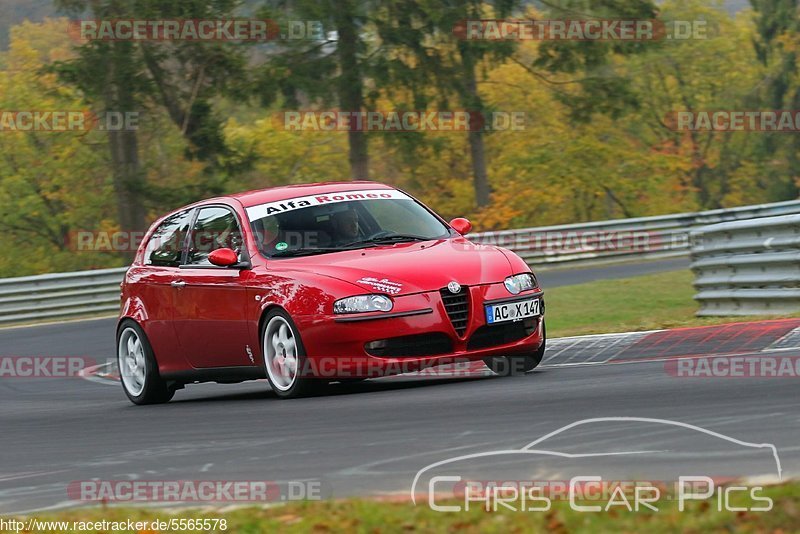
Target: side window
x=216, y=227
x=166, y=244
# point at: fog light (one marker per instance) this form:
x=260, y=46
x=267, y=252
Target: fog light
x=377, y=345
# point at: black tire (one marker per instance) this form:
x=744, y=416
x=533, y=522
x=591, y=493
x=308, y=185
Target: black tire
x=155, y=389
x=304, y=383
x=518, y=364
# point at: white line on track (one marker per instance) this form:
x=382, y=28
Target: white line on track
x=790, y=341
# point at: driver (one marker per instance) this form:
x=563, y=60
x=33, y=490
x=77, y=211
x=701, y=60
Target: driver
x=345, y=226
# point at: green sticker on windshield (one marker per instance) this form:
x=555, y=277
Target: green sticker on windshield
x=281, y=246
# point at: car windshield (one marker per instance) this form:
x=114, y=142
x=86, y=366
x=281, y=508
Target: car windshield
x=320, y=224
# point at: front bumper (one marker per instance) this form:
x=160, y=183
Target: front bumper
x=421, y=326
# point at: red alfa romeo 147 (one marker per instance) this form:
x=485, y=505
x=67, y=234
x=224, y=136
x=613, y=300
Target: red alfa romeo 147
x=309, y=284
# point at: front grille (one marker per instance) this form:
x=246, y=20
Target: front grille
x=457, y=307
x=501, y=334
x=411, y=346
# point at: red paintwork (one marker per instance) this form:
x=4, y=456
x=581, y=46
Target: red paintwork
x=214, y=320
x=461, y=225
x=223, y=257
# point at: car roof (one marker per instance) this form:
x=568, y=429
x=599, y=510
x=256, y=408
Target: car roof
x=285, y=192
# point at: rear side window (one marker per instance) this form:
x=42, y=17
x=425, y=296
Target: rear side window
x=216, y=228
x=165, y=247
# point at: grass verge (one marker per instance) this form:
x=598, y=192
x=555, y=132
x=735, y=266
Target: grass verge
x=373, y=516
x=647, y=302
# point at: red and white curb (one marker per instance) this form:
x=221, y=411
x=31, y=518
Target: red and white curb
x=104, y=373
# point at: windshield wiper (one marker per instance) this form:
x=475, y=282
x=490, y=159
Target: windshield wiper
x=303, y=252
x=295, y=252
x=371, y=242
x=392, y=238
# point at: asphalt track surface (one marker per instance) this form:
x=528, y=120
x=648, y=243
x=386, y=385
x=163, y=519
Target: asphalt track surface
x=581, y=275
x=374, y=437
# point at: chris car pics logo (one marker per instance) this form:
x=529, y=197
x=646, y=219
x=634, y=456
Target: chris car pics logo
x=480, y=480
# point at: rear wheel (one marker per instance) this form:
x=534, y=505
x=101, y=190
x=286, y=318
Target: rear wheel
x=285, y=358
x=138, y=370
x=518, y=364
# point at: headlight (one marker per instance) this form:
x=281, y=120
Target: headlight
x=363, y=303
x=520, y=282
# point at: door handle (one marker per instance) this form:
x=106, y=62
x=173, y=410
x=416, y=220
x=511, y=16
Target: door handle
x=178, y=283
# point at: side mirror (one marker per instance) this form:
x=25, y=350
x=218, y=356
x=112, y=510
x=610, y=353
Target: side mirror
x=461, y=225
x=223, y=257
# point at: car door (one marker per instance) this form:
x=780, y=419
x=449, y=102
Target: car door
x=154, y=279
x=210, y=302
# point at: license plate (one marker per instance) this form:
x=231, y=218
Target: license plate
x=512, y=311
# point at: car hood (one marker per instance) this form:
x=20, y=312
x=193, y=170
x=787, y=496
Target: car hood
x=407, y=268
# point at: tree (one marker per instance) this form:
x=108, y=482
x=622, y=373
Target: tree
x=111, y=75
x=776, y=46
x=426, y=48
x=701, y=75
x=133, y=76
x=337, y=58
x=52, y=184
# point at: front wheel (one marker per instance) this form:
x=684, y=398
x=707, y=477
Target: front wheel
x=518, y=364
x=138, y=370
x=285, y=358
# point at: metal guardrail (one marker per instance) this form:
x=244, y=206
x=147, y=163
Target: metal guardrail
x=65, y=295
x=59, y=295
x=748, y=267
x=638, y=238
